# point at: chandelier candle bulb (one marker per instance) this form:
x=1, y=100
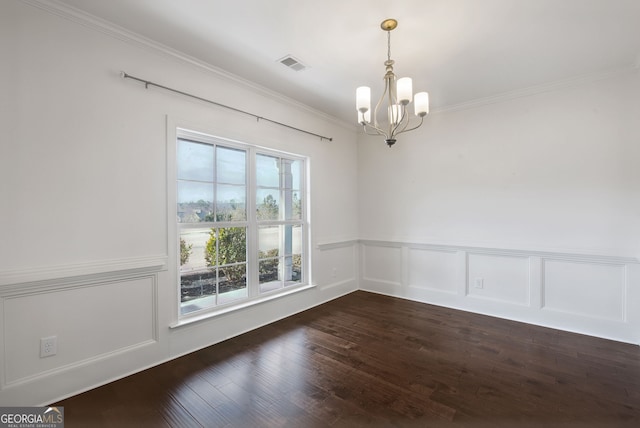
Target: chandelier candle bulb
x=421, y=104
x=363, y=99
x=404, y=90
x=364, y=117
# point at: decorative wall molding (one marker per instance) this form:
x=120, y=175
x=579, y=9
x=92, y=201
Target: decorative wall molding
x=435, y=270
x=337, y=244
x=597, y=295
x=39, y=278
x=588, y=258
x=338, y=264
x=65, y=307
x=118, y=353
x=507, y=277
x=561, y=294
x=382, y=268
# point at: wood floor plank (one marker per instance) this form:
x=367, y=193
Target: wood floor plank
x=367, y=360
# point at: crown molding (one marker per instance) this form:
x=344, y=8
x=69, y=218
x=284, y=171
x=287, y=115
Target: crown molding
x=540, y=89
x=115, y=31
x=108, y=28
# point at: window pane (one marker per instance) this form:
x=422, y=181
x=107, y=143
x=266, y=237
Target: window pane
x=197, y=279
x=296, y=213
x=267, y=171
x=296, y=168
x=290, y=171
x=195, y=161
x=268, y=273
x=224, y=246
x=268, y=241
x=231, y=203
x=197, y=291
x=195, y=201
x=267, y=204
x=292, y=205
x=293, y=270
x=231, y=166
x=232, y=245
x=296, y=240
x=228, y=248
x=233, y=283
x=193, y=243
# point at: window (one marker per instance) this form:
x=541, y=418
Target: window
x=240, y=222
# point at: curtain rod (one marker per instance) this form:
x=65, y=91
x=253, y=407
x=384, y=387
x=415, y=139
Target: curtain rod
x=186, y=94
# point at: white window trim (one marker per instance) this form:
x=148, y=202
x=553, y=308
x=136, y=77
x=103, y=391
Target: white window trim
x=175, y=131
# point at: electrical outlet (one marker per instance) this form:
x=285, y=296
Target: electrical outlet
x=48, y=346
x=479, y=283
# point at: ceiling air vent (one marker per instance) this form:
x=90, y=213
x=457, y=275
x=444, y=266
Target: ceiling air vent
x=292, y=63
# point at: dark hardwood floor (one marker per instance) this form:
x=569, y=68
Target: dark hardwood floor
x=371, y=360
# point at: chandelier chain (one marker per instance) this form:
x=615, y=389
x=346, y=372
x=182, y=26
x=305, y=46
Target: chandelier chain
x=388, y=45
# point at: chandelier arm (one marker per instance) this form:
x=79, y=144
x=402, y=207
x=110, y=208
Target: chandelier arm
x=375, y=134
x=375, y=111
x=415, y=127
x=375, y=115
x=400, y=122
x=379, y=131
x=389, y=81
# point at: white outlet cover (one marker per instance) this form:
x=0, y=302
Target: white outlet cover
x=48, y=346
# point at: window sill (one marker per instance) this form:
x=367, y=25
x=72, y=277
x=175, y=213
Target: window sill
x=232, y=308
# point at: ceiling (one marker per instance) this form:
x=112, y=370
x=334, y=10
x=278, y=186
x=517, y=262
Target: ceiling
x=458, y=50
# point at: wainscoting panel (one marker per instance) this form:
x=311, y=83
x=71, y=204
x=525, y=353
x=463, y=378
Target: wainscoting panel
x=338, y=264
x=597, y=295
x=382, y=264
x=585, y=289
x=500, y=278
x=89, y=320
x=434, y=270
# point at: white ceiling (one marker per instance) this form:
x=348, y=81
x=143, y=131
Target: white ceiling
x=457, y=50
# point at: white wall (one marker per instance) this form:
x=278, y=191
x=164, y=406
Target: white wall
x=538, y=196
x=84, y=249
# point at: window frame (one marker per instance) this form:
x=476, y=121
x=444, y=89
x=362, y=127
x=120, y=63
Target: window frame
x=251, y=223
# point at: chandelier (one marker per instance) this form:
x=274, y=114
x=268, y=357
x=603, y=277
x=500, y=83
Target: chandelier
x=395, y=99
